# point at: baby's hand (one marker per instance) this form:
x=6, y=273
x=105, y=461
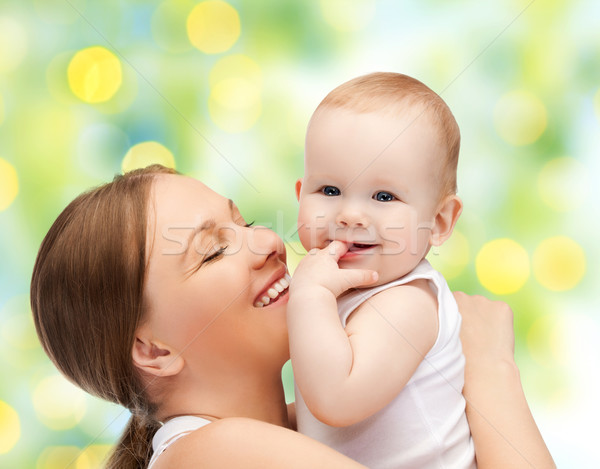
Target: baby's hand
x=319, y=268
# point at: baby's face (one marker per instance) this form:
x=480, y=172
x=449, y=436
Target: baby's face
x=371, y=181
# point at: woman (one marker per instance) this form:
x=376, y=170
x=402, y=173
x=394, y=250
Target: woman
x=148, y=292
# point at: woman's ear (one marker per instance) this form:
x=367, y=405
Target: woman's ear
x=447, y=215
x=154, y=357
x=298, y=188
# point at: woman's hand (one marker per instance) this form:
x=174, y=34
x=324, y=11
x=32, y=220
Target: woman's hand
x=503, y=429
x=487, y=336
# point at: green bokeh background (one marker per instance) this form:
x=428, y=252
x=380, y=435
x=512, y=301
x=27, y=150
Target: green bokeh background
x=489, y=60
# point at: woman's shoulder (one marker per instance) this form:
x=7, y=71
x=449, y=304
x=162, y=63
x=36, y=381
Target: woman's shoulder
x=245, y=442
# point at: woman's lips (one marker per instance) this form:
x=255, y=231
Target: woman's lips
x=273, y=292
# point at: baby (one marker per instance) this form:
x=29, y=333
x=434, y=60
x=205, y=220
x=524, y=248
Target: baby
x=379, y=370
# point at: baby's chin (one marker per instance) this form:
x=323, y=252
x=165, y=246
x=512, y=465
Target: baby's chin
x=385, y=274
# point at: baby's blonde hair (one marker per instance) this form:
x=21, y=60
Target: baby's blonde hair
x=388, y=91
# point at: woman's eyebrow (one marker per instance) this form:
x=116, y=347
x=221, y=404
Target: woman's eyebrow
x=207, y=225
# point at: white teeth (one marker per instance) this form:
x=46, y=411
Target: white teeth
x=273, y=292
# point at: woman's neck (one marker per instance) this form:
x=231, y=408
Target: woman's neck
x=240, y=394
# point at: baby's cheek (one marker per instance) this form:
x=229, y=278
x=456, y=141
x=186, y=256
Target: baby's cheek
x=308, y=228
x=307, y=236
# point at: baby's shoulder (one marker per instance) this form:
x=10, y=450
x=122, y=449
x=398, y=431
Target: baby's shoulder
x=398, y=303
x=417, y=291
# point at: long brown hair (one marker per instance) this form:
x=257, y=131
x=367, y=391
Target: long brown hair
x=87, y=300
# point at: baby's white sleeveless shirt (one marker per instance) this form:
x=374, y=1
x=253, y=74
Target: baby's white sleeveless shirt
x=425, y=425
x=171, y=431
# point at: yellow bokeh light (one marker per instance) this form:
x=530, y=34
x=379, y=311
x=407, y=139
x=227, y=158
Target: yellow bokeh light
x=62, y=92
x=348, y=16
x=234, y=104
x=58, y=457
x=10, y=427
x=9, y=184
x=520, y=117
x=559, y=263
x=237, y=94
x=502, y=266
x=213, y=26
x=452, y=257
x=13, y=44
x=147, y=153
x=235, y=99
x=58, y=404
x=95, y=74
x=93, y=457
x=235, y=66
x=563, y=184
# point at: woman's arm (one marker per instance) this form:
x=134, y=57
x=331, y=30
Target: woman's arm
x=251, y=444
x=503, y=429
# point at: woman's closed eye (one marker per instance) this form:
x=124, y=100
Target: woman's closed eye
x=218, y=253
x=214, y=256
x=208, y=258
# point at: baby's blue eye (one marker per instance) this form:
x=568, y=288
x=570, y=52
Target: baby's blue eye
x=383, y=196
x=330, y=190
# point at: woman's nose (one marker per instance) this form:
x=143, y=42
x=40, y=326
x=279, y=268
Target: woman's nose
x=263, y=243
x=352, y=217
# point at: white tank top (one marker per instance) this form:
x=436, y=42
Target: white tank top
x=171, y=431
x=425, y=425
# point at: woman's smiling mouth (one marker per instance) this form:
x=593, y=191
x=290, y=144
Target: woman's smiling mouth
x=277, y=289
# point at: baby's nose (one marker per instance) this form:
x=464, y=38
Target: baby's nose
x=352, y=217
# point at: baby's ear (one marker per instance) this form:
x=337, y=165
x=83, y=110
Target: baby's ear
x=447, y=215
x=154, y=357
x=298, y=188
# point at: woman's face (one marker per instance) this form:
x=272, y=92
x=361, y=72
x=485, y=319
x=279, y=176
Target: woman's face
x=207, y=277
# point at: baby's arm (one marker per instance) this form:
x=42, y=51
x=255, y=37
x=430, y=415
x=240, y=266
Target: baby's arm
x=347, y=375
